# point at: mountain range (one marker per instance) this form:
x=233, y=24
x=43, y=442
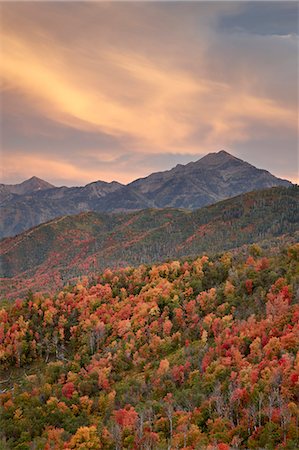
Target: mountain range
x=215, y=177
x=63, y=249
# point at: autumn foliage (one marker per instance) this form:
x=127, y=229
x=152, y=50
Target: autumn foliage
x=192, y=354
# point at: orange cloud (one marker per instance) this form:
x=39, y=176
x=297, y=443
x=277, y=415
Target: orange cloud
x=66, y=98
x=150, y=78
x=52, y=169
x=158, y=105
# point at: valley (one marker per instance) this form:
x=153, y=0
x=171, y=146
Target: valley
x=64, y=249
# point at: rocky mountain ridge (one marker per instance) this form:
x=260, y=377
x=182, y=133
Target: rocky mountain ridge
x=214, y=177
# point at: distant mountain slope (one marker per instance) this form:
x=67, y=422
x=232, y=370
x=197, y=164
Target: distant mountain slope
x=22, y=212
x=215, y=177
x=57, y=251
x=34, y=184
x=27, y=186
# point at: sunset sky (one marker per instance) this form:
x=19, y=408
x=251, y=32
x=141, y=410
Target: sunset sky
x=115, y=91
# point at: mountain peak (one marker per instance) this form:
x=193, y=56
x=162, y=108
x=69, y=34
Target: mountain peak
x=225, y=153
x=33, y=184
x=217, y=158
x=34, y=178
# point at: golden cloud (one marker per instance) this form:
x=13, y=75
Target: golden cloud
x=159, y=105
x=45, y=166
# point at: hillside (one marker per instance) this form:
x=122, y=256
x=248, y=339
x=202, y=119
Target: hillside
x=65, y=248
x=214, y=177
x=198, y=354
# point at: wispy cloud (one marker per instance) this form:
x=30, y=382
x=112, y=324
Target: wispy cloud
x=155, y=78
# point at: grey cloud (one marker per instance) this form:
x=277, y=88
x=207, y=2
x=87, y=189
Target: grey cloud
x=264, y=18
x=278, y=155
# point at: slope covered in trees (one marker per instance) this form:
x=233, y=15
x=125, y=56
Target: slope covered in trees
x=61, y=250
x=193, y=354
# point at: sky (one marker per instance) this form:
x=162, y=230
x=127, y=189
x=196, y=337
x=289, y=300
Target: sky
x=118, y=90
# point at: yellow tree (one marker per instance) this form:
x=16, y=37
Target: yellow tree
x=85, y=438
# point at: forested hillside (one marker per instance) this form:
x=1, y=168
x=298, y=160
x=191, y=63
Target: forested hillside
x=193, y=354
x=64, y=249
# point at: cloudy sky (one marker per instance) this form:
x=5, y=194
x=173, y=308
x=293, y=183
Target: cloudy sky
x=115, y=91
